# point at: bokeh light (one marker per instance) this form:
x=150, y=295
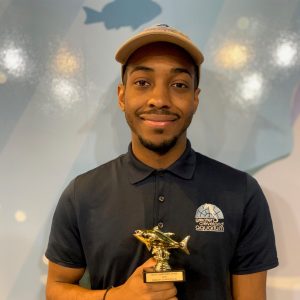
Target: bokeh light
x=14, y=60
x=65, y=92
x=233, y=56
x=250, y=89
x=66, y=63
x=285, y=53
x=20, y=216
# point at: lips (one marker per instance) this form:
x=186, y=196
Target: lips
x=159, y=117
x=158, y=120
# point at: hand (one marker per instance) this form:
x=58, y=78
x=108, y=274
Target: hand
x=135, y=288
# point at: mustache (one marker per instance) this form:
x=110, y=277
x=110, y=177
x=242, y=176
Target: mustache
x=155, y=111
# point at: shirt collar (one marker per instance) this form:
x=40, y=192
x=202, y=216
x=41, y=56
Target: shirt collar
x=184, y=167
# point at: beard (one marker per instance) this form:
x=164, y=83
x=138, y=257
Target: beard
x=165, y=145
x=161, y=148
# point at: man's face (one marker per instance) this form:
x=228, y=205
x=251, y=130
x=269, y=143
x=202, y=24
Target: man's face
x=159, y=96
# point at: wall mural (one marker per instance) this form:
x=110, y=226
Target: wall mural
x=111, y=17
x=59, y=114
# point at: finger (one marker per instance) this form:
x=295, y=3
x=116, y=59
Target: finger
x=165, y=294
x=149, y=263
x=161, y=286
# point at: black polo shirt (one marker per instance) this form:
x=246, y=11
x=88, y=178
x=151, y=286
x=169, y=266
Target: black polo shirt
x=222, y=209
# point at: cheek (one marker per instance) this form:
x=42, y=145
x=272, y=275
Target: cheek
x=129, y=108
x=186, y=107
x=133, y=103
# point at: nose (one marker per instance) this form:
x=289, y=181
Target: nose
x=160, y=97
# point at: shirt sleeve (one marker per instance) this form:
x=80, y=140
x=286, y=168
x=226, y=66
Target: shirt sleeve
x=255, y=250
x=64, y=246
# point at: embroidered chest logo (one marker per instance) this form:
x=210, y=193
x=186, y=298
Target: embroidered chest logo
x=209, y=218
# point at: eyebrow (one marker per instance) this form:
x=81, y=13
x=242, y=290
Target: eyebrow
x=141, y=68
x=181, y=70
x=173, y=70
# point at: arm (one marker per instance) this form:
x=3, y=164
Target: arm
x=62, y=284
x=249, y=286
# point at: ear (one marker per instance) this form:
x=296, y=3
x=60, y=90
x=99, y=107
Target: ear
x=121, y=96
x=196, y=99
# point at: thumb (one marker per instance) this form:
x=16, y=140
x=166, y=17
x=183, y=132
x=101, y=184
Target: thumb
x=151, y=262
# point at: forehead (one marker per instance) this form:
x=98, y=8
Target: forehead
x=161, y=52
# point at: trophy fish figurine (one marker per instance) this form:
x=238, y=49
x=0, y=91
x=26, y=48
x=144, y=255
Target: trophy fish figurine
x=159, y=243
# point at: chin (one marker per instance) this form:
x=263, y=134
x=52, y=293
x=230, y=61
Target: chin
x=160, y=147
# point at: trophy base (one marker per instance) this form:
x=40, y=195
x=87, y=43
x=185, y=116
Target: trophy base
x=151, y=276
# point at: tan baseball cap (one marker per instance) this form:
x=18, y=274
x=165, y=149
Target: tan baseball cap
x=159, y=33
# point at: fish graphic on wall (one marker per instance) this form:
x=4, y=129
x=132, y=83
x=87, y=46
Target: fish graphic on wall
x=120, y=13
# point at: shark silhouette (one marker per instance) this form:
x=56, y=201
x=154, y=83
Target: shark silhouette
x=120, y=13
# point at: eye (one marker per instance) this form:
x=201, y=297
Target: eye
x=180, y=85
x=142, y=83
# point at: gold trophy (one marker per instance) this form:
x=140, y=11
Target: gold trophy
x=159, y=243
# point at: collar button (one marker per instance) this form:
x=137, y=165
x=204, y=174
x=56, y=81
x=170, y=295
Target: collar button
x=161, y=198
x=160, y=225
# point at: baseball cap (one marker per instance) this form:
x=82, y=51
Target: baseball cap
x=159, y=33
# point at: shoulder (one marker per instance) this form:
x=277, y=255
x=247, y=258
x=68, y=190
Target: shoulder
x=216, y=170
x=213, y=163
x=95, y=181
x=223, y=177
x=102, y=172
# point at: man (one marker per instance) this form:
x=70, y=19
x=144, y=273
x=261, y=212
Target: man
x=161, y=181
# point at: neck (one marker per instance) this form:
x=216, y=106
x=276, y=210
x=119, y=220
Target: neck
x=156, y=160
